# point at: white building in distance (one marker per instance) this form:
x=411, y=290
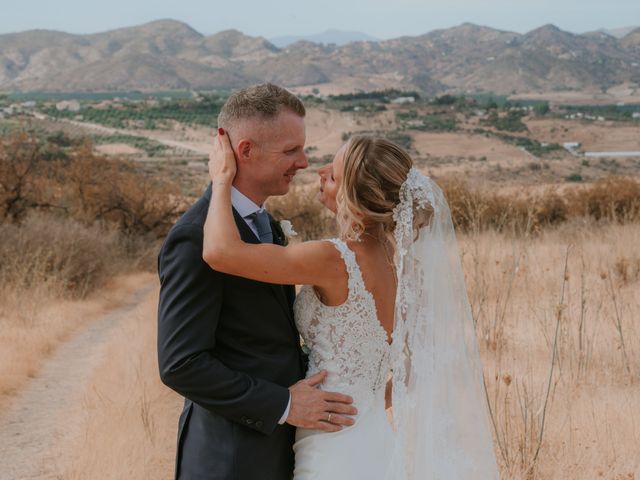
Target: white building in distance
x=401, y=100
x=70, y=105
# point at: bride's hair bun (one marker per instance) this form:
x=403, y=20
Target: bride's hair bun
x=374, y=171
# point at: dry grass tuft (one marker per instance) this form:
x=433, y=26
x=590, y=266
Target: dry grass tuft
x=65, y=257
x=614, y=199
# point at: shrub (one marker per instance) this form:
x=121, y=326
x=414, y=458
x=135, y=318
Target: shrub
x=445, y=99
x=512, y=122
x=439, y=123
x=70, y=219
x=402, y=139
x=21, y=171
x=574, y=177
x=535, y=166
x=36, y=176
x=541, y=109
x=614, y=198
x=478, y=210
x=473, y=209
x=310, y=219
x=533, y=146
x=66, y=257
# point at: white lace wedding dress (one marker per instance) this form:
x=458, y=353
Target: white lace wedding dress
x=350, y=343
x=441, y=422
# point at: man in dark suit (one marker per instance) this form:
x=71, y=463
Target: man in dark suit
x=230, y=345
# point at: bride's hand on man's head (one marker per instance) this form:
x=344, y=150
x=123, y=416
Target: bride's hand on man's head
x=222, y=161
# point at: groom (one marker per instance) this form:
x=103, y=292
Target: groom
x=230, y=345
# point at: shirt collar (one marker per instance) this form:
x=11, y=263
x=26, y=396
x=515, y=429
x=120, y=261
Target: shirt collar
x=243, y=204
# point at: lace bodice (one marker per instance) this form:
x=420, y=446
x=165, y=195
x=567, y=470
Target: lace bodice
x=346, y=340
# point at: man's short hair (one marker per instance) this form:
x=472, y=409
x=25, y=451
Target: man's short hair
x=262, y=101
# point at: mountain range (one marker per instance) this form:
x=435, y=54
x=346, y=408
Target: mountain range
x=167, y=54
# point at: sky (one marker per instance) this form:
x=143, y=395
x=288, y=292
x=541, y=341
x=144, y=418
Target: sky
x=380, y=18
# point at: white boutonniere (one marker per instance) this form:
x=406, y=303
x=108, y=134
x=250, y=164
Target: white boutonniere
x=287, y=228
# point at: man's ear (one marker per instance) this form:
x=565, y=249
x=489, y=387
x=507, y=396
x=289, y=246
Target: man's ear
x=244, y=150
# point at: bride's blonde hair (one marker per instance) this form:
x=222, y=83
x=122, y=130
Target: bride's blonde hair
x=374, y=171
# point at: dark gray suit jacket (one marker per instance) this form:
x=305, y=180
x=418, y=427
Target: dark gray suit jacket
x=229, y=346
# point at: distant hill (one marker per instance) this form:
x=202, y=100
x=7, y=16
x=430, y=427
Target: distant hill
x=618, y=32
x=632, y=39
x=337, y=37
x=167, y=54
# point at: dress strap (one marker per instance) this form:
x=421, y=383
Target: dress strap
x=356, y=282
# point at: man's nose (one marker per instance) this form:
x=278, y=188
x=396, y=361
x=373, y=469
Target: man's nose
x=302, y=161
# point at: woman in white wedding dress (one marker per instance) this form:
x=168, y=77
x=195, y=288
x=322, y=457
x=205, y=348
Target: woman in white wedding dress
x=383, y=310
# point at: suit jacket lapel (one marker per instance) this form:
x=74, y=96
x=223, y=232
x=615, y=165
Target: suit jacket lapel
x=246, y=233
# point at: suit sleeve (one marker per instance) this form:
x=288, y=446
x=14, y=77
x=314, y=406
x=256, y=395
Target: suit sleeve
x=188, y=314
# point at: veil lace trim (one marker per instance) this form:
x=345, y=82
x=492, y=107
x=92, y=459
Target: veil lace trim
x=440, y=416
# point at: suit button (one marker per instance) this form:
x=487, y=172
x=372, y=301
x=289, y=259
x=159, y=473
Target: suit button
x=243, y=418
x=249, y=421
x=259, y=423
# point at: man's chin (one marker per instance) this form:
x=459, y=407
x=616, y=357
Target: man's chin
x=283, y=190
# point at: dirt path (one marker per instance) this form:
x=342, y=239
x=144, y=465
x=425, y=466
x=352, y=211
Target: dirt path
x=42, y=415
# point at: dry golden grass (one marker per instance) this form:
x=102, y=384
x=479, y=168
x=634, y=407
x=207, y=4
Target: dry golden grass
x=557, y=320
x=129, y=418
x=33, y=322
x=45, y=263
x=520, y=211
x=529, y=211
x=576, y=419
x=62, y=257
x=301, y=207
x=554, y=284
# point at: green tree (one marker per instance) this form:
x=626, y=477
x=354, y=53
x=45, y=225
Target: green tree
x=541, y=109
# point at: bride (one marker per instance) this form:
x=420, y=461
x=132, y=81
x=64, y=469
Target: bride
x=384, y=311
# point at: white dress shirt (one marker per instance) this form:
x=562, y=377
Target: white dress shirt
x=245, y=207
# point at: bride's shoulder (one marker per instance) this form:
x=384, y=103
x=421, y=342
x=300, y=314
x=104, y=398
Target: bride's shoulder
x=328, y=249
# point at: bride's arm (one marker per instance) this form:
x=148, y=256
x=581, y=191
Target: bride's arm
x=304, y=263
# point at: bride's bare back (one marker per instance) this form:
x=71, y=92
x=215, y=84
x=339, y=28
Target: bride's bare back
x=376, y=263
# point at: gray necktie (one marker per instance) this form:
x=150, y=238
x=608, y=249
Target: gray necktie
x=263, y=225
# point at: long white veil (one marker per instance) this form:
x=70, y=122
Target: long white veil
x=440, y=412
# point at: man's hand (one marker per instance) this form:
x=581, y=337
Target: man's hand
x=315, y=409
